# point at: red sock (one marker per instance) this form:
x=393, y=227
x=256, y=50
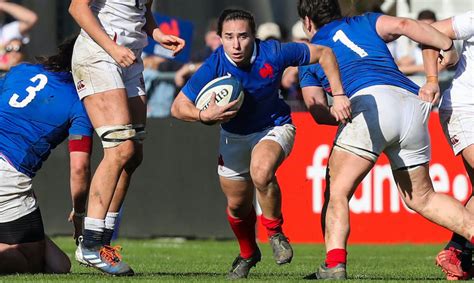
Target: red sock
x=472, y=240
x=273, y=226
x=244, y=230
x=335, y=257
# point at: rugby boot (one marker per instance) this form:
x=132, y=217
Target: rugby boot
x=450, y=262
x=241, y=266
x=79, y=254
x=282, y=251
x=105, y=258
x=337, y=272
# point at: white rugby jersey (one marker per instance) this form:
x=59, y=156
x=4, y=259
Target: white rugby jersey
x=122, y=20
x=461, y=94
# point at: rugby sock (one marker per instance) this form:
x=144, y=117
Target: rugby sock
x=335, y=257
x=110, y=220
x=273, y=226
x=93, y=232
x=244, y=230
x=457, y=241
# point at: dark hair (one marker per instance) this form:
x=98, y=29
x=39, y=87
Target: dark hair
x=235, y=14
x=60, y=62
x=321, y=12
x=427, y=15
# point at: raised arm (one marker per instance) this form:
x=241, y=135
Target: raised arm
x=26, y=17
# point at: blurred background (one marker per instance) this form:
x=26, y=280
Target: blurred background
x=175, y=192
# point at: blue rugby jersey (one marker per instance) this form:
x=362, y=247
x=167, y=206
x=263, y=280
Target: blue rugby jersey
x=363, y=57
x=38, y=110
x=262, y=107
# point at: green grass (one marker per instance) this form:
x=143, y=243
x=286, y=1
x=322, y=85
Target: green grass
x=175, y=260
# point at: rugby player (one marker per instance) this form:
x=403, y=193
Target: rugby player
x=255, y=140
x=388, y=117
x=456, y=113
x=39, y=109
x=107, y=70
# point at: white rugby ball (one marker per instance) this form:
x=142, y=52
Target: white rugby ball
x=227, y=89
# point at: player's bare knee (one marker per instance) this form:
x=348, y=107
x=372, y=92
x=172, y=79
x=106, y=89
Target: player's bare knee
x=62, y=268
x=418, y=201
x=262, y=176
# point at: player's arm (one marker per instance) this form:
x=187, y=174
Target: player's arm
x=184, y=109
x=390, y=28
x=317, y=104
x=80, y=148
x=82, y=14
x=323, y=55
x=168, y=41
x=26, y=17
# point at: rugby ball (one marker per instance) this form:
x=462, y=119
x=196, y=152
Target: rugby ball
x=227, y=89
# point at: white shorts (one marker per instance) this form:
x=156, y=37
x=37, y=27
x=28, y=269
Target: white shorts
x=16, y=193
x=235, y=150
x=458, y=127
x=391, y=120
x=95, y=71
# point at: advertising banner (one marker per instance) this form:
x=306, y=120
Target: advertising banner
x=378, y=215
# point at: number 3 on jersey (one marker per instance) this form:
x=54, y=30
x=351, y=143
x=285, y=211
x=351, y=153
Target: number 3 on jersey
x=342, y=37
x=31, y=90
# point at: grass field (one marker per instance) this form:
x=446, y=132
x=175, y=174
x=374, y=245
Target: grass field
x=175, y=260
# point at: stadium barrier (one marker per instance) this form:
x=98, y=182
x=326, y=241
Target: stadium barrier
x=175, y=192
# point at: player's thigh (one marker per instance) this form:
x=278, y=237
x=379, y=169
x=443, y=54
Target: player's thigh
x=239, y=193
x=234, y=156
x=22, y=241
x=271, y=148
x=414, y=184
x=108, y=108
x=346, y=170
x=56, y=261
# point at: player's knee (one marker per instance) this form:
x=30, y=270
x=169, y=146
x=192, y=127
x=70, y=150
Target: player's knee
x=262, y=176
x=239, y=207
x=418, y=202
x=116, y=135
x=61, y=268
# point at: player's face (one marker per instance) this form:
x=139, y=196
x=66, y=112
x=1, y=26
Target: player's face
x=237, y=39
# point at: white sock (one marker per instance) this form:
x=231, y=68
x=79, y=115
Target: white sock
x=94, y=224
x=110, y=220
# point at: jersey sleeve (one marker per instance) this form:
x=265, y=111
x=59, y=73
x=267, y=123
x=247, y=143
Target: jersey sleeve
x=463, y=25
x=308, y=77
x=80, y=125
x=197, y=81
x=294, y=54
x=373, y=18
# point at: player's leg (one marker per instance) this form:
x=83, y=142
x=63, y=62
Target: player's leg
x=56, y=261
x=411, y=172
x=242, y=218
x=22, y=245
x=266, y=157
x=459, y=247
x=345, y=172
x=137, y=105
x=233, y=170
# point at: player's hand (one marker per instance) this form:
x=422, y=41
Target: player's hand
x=449, y=58
x=341, y=109
x=430, y=92
x=168, y=41
x=123, y=56
x=215, y=113
x=77, y=221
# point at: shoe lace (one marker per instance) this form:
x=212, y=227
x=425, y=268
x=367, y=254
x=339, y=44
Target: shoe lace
x=111, y=254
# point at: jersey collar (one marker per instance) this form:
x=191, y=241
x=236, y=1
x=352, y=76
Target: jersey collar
x=252, y=59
